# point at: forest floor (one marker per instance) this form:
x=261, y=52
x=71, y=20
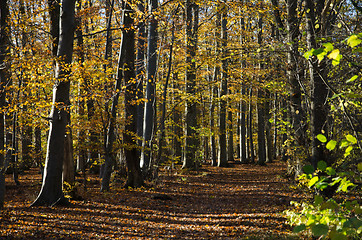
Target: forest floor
x=241, y=202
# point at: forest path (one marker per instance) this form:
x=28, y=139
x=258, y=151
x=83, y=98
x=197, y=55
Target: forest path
x=240, y=202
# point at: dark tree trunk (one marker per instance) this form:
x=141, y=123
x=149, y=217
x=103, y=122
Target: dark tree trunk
x=319, y=91
x=140, y=68
x=177, y=122
x=149, y=111
x=250, y=127
x=54, y=10
x=4, y=78
x=261, y=128
x=261, y=102
x=212, y=123
x=230, y=134
x=192, y=138
x=51, y=191
x=134, y=177
x=268, y=130
x=243, y=152
x=222, y=160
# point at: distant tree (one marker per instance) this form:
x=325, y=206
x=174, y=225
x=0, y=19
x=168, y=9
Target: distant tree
x=51, y=191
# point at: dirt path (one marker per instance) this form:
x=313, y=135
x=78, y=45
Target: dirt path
x=242, y=202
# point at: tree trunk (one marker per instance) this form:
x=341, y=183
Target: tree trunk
x=134, y=177
x=250, y=127
x=177, y=122
x=192, y=138
x=319, y=91
x=149, y=114
x=261, y=102
x=261, y=127
x=4, y=78
x=222, y=160
x=51, y=191
x=212, y=124
x=243, y=152
x=140, y=68
x=268, y=130
x=230, y=134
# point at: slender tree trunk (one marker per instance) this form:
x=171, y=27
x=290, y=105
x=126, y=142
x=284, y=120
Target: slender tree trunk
x=4, y=78
x=230, y=134
x=192, y=138
x=222, y=160
x=164, y=98
x=261, y=102
x=243, y=152
x=51, y=191
x=149, y=114
x=275, y=132
x=250, y=127
x=140, y=69
x=212, y=124
x=177, y=122
x=82, y=137
x=268, y=130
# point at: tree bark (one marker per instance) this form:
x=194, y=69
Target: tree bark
x=250, y=127
x=149, y=114
x=51, y=191
x=261, y=101
x=4, y=78
x=192, y=138
x=222, y=160
x=319, y=91
x=134, y=177
x=140, y=69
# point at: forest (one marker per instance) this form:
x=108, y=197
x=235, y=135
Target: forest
x=180, y=119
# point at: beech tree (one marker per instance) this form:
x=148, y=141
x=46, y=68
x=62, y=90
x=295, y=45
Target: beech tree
x=148, y=118
x=134, y=177
x=51, y=191
x=222, y=160
x=192, y=141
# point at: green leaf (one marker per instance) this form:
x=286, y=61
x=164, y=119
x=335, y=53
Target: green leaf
x=308, y=53
x=353, y=41
x=344, y=143
x=320, y=229
x=308, y=169
x=313, y=181
x=330, y=171
x=334, y=54
x=331, y=145
x=299, y=228
x=321, y=185
x=321, y=138
x=322, y=165
x=359, y=167
x=349, y=149
x=318, y=200
x=352, y=79
x=328, y=46
x=351, y=139
x=334, y=235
